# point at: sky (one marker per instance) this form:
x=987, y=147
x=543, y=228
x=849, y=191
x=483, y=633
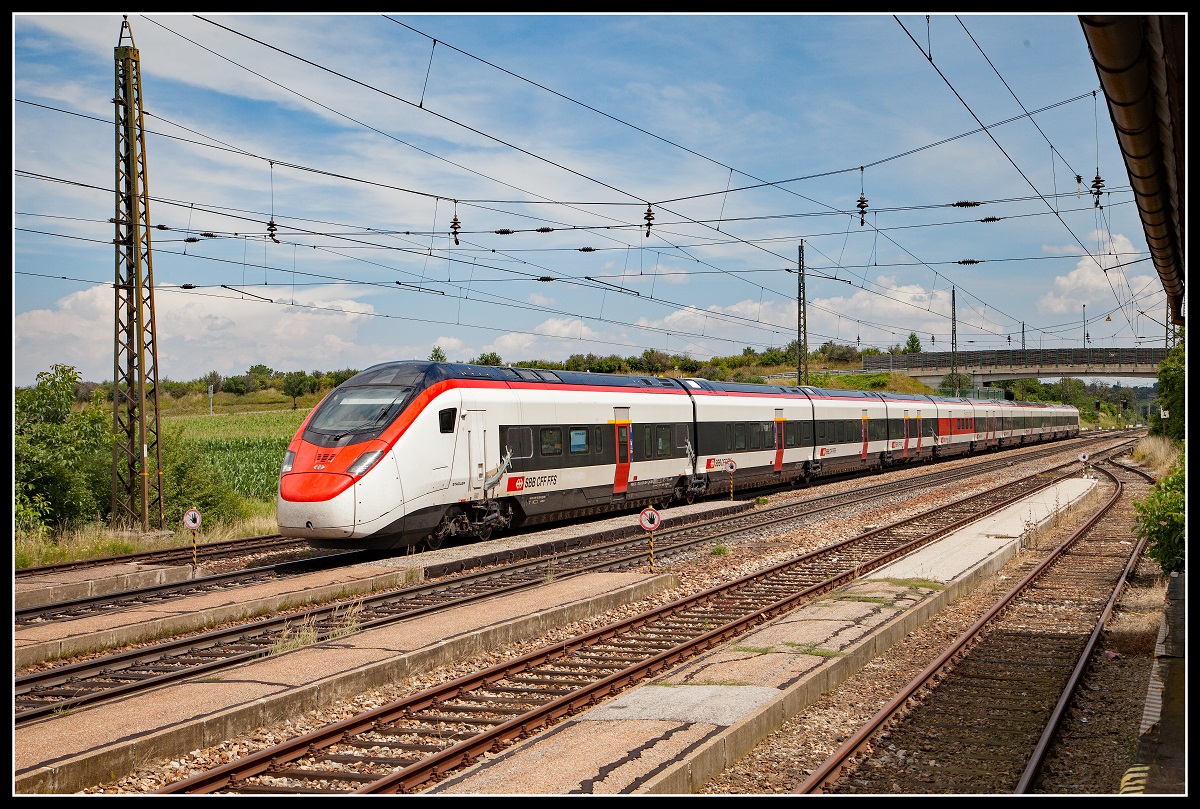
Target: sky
x=483, y=184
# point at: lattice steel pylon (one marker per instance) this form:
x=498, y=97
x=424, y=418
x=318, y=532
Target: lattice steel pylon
x=137, y=456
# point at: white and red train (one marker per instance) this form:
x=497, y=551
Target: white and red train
x=414, y=452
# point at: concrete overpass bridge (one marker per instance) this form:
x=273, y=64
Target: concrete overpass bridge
x=986, y=367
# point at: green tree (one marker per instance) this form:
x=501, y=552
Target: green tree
x=488, y=358
x=235, y=385
x=59, y=452
x=437, y=355
x=295, y=384
x=913, y=346
x=1171, y=376
x=1160, y=519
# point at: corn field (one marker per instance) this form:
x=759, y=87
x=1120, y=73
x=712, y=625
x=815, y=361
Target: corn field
x=247, y=447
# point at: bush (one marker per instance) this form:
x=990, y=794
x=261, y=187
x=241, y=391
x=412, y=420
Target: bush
x=1160, y=520
x=59, y=452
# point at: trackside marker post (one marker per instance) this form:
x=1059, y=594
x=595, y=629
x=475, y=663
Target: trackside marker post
x=192, y=520
x=649, y=519
x=730, y=467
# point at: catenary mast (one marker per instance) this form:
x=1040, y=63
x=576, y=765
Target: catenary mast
x=137, y=456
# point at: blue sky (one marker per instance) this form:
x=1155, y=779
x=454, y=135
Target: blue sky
x=364, y=136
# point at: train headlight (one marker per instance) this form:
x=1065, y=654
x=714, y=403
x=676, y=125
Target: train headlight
x=289, y=458
x=364, y=462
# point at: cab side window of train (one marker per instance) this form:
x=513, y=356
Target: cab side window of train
x=739, y=436
x=551, y=440
x=520, y=441
x=446, y=419
x=579, y=441
x=663, y=434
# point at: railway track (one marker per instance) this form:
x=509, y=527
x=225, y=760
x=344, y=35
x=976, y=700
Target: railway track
x=981, y=717
x=408, y=744
x=49, y=691
x=162, y=593
x=46, y=692
x=208, y=551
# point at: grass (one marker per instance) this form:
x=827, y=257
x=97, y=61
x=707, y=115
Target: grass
x=1157, y=453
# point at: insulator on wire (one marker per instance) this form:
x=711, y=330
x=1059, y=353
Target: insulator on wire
x=208, y=234
x=966, y=204
x=991, y=219
x=545, y=230
x=968, y=261
x=504, y=232
x=455, y=226
x=1097, y=189
x=192, y=239
x=862, y=210
x=271, y=229
x=587, y=249
x=649, y=217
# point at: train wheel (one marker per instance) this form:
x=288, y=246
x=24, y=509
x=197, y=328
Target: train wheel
x=484, y=533
x=434, y=541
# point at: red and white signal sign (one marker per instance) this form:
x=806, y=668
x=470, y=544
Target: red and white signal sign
x=649, y=519
x=731, y=466
x=192, y=519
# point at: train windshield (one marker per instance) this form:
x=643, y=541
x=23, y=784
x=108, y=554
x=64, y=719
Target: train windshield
x=359, y=410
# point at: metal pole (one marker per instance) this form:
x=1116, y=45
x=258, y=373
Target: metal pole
x=953, y=343
x=801, y=327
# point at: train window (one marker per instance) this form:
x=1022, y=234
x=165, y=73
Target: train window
x=789, y=434
x=549, y=376
x=647, y=444
x=551, y=440
x=839, y=431
x=728, y=437
x=525, y=373
x=579, y=441
x=598, y=440
x=739, y=436
x=520, y=441
x=806, y=434
x=822, y=432
x=663, y=433
x=682, y=434
x=446, y=419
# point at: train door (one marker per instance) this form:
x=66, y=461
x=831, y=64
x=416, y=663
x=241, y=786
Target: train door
x=780, y=421
x=621, y=428
x=476, y=426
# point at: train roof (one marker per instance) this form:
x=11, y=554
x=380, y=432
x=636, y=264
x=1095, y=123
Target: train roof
x=423, y=373
x=427, y=372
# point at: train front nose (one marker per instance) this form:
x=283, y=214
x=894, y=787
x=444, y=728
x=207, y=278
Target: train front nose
x=316, y=505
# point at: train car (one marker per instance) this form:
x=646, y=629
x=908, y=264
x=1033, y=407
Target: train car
x=415, y=452
x=749, y=435
x=411, y=452
x=912, y=427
